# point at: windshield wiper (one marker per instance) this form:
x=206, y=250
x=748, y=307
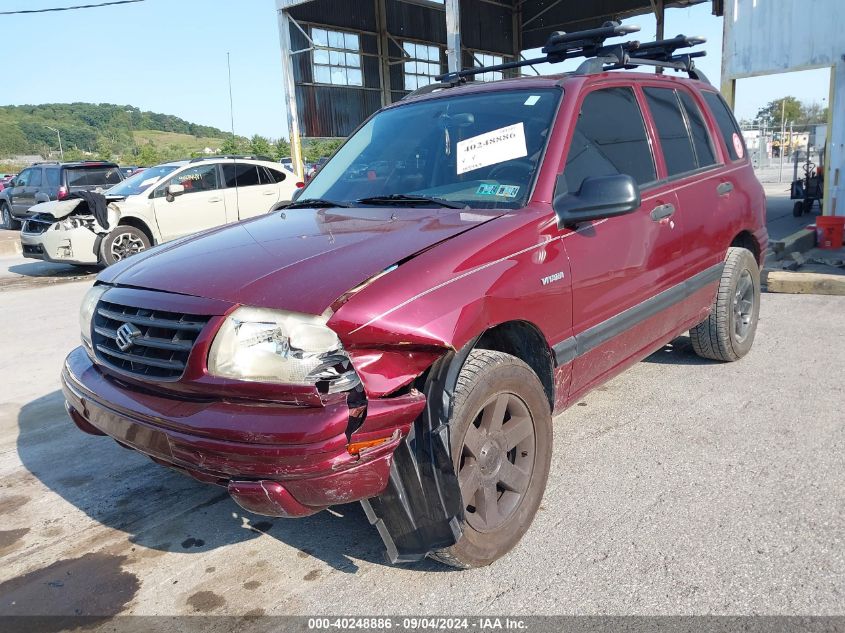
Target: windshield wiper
x=410, y=199
x=313, y=203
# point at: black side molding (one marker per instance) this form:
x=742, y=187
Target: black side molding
x=578, y=345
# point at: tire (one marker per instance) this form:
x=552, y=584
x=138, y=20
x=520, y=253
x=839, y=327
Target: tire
x=121, y=243
x=492, y=383
x=798, y=209
x=7, y=220
x=728, y=332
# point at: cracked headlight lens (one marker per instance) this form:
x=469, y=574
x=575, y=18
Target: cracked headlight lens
x=259, y=344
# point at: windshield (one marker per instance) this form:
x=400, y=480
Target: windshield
x=481, y=150
x=140, y=182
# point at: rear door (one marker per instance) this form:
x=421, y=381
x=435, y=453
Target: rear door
x=621, y=267
x=201, y=206
x=694, y=169
x=250, y=188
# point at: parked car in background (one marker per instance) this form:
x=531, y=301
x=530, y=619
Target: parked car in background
x=154, y=206
x=42, y=182
x=438, y=292
x=129, y=170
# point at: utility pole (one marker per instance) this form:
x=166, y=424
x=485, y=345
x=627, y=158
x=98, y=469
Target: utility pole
x=231, y=101
x=782, y=134
x=59, y=134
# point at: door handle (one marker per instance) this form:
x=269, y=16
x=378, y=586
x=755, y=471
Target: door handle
x=214, y=199
x=662, y=212
x=724, y=188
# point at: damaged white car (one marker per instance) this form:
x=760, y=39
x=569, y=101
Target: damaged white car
x=154, y=206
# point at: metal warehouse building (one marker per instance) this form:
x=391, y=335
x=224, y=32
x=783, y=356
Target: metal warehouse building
x=344, y=59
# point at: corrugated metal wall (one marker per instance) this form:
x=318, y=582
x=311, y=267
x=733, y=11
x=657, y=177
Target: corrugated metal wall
x=326, y=110
x=491, y=26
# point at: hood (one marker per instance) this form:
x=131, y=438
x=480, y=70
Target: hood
x=57, y=208
x=300, y=260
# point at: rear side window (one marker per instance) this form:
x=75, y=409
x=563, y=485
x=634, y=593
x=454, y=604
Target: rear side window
x=240, y=175
x=701, y=142
x=92, y=176
x=275, y=175
x=53, y=178
x=727, y=125
x=609, y=138
x=672, y=130
x=35, y=179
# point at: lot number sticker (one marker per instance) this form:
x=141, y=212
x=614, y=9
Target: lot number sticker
x=491, y=148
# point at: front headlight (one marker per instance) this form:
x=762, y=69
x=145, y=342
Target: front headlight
x=86, y=312
x=69, y=224
x=259, y=344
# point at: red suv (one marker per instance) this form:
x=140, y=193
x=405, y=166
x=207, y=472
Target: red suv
x=473, y=260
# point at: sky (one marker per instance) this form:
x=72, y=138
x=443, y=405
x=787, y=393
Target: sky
x=169, y=56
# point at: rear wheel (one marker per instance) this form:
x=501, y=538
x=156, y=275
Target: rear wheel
x=798, y=209
x=501, y=436
x=728, y=332
x=7, y=220
x=122, y=242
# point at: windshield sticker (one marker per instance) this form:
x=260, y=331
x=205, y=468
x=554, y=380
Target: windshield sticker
x=491, y=148
x=503, y=191
x=533, y=99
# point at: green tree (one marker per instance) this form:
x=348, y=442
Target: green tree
x=281, y=149
x=260, y=146
x=780, y=112
x=147, y=155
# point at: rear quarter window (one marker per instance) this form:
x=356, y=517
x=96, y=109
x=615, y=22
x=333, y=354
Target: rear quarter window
x=728, y=127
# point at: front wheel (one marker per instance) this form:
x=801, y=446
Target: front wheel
x=122, y=242
x=7, y=220
x=728, y=332
x=501, y=439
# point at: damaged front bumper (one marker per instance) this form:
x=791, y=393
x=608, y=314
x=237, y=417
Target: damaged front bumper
x=46, y=240
x=274, y=459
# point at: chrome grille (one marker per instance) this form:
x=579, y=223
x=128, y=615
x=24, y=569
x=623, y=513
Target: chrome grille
x=161, y=346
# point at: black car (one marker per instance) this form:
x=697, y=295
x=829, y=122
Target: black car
x=46, y=181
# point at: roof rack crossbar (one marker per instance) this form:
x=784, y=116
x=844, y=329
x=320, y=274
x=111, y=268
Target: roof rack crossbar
x=590, y=44
x=199, y=159
x=559, y=46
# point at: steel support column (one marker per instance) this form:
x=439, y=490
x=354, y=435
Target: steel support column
x=383, y=52
x=290, y=94
x=453, y=34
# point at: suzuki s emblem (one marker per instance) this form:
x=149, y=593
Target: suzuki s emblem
x=126, y=335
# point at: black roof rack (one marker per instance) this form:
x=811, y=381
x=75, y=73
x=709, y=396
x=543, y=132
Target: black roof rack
x=600, y=57
x=199, y=159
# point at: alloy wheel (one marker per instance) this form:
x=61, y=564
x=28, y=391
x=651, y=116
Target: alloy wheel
x=497, y=461
x=743, y=305
x=125, y=245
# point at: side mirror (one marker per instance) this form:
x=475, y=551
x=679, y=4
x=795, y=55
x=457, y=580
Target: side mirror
x=599, y=197
x=174, y=190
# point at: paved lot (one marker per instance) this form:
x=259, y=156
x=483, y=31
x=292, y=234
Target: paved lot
x=683, y=487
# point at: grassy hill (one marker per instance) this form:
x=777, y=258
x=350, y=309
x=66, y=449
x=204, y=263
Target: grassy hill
x=162, y=140
x=102, y=129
